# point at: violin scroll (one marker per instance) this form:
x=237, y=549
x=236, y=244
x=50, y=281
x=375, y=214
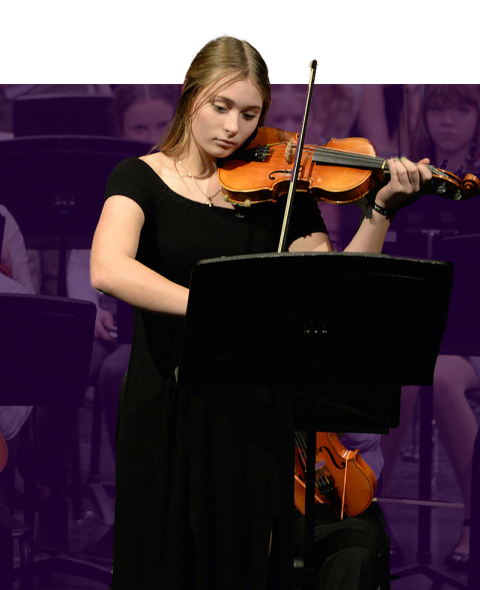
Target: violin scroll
x=470, y=186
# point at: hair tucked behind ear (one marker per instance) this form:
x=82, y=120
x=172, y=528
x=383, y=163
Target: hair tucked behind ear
x=220, y=63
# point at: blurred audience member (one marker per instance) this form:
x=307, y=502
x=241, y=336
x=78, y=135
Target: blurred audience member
x=448, y=127
x=143, y=111
x=387, y=116
x=447, y=131
x=14, y=279
x=457, y=426
x=333, y=110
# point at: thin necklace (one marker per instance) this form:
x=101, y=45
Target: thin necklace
x=208, y=200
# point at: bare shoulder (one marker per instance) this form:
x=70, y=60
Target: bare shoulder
x=160, y=163
x=166, y=168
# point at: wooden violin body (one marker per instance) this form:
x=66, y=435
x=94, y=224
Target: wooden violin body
x=343, y=479
x=341, y=171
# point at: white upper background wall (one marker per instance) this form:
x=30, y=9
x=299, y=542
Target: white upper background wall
x=102, y=41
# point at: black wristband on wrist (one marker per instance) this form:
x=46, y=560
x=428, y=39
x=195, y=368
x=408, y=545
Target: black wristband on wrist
x=388, y=213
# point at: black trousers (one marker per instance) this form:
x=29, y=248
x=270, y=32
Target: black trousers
x=352, y=554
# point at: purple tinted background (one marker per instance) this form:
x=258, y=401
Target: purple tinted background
x=41, y=169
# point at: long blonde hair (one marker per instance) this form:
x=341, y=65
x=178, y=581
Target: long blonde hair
x=220, y=63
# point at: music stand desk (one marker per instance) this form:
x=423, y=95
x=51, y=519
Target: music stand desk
x=45, y=349
x=333, y=324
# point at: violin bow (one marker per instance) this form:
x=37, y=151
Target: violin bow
x=296, y=167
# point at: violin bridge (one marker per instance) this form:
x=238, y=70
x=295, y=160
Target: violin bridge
x=289, y=152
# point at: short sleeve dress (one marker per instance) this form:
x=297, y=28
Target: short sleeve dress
x=199, y=489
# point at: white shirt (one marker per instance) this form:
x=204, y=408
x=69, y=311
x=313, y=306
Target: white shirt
x=12, y=418
x=13, y=241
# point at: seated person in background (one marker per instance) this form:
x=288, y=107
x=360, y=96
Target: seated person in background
x=333, y=111
x=43, y=263
x=142, y=112
x=457, y=426
x=12, y=419
x=447, y=128
x=388, y=113
x=15, y=275
x=53, y=514
x=14, y=279
x=105, y=348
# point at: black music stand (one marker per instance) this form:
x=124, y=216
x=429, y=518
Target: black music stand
x=57, y=205
x=45, y=350
x=64, y=114
x=330, y=323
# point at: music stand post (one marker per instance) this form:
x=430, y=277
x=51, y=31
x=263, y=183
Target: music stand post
x=266, y=316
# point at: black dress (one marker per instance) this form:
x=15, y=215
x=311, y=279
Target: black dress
x=199, y=488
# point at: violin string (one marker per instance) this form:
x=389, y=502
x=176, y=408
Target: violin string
x=302, y=448
x=339, y=156
x=351, y=159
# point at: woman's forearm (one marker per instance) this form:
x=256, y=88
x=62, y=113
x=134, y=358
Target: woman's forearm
x=133, y=282
x=370, y=236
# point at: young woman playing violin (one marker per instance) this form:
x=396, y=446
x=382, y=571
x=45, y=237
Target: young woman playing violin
x=201, y=491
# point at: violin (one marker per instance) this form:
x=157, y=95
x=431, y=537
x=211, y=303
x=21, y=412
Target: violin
x=343, y=480
x=341, y=171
